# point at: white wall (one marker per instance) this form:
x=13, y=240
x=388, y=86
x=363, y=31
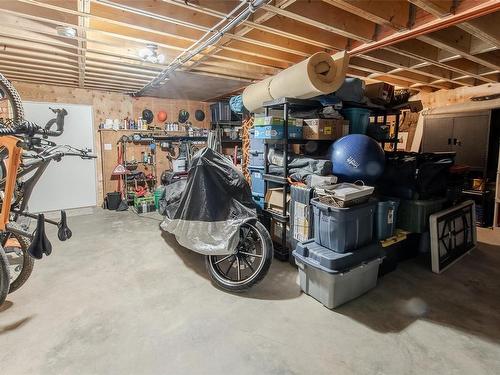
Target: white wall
x=70, y=183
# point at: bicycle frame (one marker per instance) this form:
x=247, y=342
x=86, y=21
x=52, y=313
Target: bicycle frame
x=12, y=164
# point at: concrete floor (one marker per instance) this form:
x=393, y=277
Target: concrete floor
x=120, y=298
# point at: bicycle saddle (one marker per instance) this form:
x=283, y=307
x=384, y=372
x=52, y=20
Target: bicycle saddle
x=64, y=233
x=40, y=244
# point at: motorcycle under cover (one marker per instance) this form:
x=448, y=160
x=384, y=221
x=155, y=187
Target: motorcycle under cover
x=217, y=200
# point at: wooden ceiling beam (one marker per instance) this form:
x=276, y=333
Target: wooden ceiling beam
x=17, y=58
x=140, y=16
x=115, y=76
x=438, y=8
x=257, y=22
x=230, y=73
x=323, y=17
x=34, y=76
x=486, y=28
x=37, y=73
x=377, y=69
x=399, y=61
x=15, y=63
x=393, y=14
x=41, y=82
x=12, y=43
x=243, y=30
x=465, y=11
x=93, y=66
x=83, y=22
x=455, y=41
x=426, y=52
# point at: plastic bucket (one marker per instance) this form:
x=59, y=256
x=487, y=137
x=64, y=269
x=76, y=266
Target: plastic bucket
x=114, y=200
x=158, y=194
x=359, y=119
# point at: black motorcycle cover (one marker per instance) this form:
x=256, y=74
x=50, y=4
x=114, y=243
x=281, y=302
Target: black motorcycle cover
x=215, y=202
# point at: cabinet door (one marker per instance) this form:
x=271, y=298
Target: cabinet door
x=470, y=133
x=438, y=134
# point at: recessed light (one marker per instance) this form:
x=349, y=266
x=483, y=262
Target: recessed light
x=67, y=31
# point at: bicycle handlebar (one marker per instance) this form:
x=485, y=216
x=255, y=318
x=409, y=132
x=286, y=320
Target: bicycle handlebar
x=30, y=129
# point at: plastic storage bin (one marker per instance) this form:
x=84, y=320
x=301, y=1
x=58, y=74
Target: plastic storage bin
x=413, y=215
x=256, y=158
x=277, y=132
x=256, y=155
x=385, y=218
x=257, y=179
x=333, y=278
x=359, y=119
x=343, y=229
x=256, y=176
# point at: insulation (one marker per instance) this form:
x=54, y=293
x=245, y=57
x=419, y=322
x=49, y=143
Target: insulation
x=317, y=75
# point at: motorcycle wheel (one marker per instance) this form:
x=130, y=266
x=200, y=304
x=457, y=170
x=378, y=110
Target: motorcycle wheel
x=248, y=266
x=4, y=277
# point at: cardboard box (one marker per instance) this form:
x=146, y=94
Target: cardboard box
x=380, y=92
x=274, y=199
x=320, y=128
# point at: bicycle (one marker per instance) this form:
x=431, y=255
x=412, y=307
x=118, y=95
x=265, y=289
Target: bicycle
x=25, y=149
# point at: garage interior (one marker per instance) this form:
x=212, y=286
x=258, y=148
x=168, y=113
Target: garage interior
x=258, y=186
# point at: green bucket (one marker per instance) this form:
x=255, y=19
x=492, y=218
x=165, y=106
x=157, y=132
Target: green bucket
x=158, y=194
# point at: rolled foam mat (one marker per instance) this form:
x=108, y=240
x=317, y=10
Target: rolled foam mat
x=317, y=75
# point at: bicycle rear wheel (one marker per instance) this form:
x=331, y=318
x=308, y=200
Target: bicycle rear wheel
x=11, y=106
x=4, y=277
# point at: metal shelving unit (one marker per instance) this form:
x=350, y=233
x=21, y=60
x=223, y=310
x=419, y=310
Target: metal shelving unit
x=281, y=250
x=381, y=112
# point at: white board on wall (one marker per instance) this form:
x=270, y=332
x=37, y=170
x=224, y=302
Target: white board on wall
x=70, y=183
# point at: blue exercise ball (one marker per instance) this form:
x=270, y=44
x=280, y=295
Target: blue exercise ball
x=357, y=157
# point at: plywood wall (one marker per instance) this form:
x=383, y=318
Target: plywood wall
x=110, y=105
x=443, y=98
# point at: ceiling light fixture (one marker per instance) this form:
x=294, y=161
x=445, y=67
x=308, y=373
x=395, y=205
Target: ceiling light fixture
x=150, y=54
x=67, y=31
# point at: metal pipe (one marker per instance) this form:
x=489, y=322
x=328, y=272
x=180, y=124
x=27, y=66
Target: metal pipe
x=202, y=44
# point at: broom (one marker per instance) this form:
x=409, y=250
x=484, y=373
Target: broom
x=120, y=171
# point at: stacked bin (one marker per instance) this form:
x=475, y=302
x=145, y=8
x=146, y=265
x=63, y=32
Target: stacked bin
x=342, y=261
x=256, y=169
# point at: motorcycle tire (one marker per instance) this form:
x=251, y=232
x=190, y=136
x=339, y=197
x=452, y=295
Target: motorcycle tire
x=27, y=262
x=4, y=277
x=248, y=266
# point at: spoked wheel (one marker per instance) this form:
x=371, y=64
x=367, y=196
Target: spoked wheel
x=12, y=106
x=250, y=263
x=4, y=277
x=20, y=263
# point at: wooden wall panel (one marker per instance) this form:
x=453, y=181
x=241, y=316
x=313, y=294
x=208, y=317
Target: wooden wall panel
x=112, y=105
x=443, y=98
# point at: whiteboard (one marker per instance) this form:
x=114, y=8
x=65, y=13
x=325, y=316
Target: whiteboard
x=70, y=183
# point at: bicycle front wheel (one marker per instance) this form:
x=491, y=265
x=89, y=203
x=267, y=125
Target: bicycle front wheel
x=4, y=276
x=19, y=261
